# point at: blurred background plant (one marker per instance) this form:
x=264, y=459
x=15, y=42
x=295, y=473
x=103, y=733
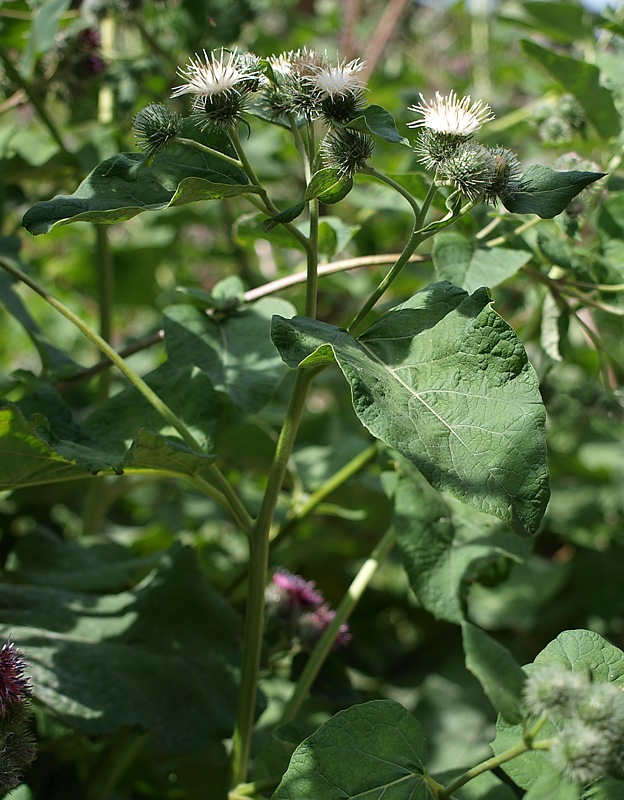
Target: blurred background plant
x=73, y=75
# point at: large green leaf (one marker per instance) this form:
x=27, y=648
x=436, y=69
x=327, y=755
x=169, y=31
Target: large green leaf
x=446, y=382
x=101, y=662
x=235, y=350
x=375, y=750
x=575, y=651
x=461, y=262
x=376, y=121
x=31, y=454
x=564, y=22
x=583, y=81
x=496, y=670
x=91, y=564
x=546, y=192
x=51, y=356
x=125, y=434
x=446, y=546
x=552, y=785
x=122, y=187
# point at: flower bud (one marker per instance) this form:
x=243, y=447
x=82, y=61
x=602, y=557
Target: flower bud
x=581, y=753
x=507, y=175
x=155, y=126
x=471, y=169
x=347, y=151
x=554, y=692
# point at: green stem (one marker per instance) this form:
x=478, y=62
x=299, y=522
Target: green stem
x=301, y=149
x=263, y=201
x=209, y=150
x=343, y=612
x=413, y=242
x=254, y=788
x=106, y=284
x=232, y=501
x=240, y=151
x=295, y=517
x=523, y=746
x=339, y=478
x=373, y=173
x=115, y=762
x=312, y=261
x=402, y=260
x=259, y=552
x=431, y=193
x=19, y=79
x=103, y=346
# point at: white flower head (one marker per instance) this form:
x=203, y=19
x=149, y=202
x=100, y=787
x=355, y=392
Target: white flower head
x=222, y=72
x=450, y=115
x=340, y=80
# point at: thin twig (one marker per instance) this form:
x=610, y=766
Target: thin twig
x=384, y=31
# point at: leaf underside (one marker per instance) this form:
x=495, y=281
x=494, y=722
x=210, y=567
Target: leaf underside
x=446, y=382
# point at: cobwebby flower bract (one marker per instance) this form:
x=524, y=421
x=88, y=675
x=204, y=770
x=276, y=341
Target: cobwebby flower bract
x=155, y=126
x=341, y=90
x=581, y=753
x=450, y=115
x=347, y=151
x=471, y=169
x=507, y=174
x=554, y=692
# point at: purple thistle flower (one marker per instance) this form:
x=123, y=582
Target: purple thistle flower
x=313, y=624
x=14, y=685
x=90, y=37
x=296, y=591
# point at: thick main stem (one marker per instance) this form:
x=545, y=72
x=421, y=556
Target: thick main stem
x=259, y=553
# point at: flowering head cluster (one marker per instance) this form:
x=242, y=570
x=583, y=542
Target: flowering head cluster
x=445, y=143
x=17, y=747
x=589, y=717
x=297, y=605
x=562, y=121
x=307, y=85
x=221, y=83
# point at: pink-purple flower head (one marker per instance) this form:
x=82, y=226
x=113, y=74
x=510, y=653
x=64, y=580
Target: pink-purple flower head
x=14, y=684
x=447, y=114
x=298, y=606
x=296, y=591
x=313, y=624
